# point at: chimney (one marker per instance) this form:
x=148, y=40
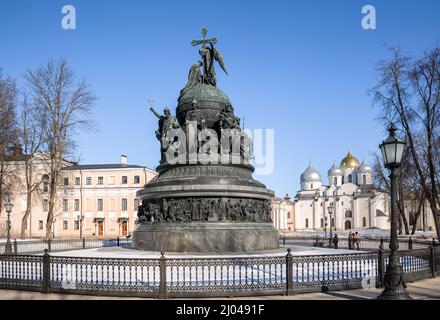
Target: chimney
x=123, y=160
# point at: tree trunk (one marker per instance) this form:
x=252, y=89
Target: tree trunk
x=50, y=214
x=26, y=215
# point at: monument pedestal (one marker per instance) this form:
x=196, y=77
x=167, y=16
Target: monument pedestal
x=205, y=237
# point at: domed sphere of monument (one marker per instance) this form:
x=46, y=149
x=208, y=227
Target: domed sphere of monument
x=364, y=168
x=349, y=161
x=208, y=98
x=335, y=170
x=310, y=175
x=204, y=92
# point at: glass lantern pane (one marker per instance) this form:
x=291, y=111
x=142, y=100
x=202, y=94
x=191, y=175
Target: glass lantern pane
x=390, y=150
x=399, y=152
x=384, y=156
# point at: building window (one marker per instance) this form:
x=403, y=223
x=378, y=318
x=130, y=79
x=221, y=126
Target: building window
x=307, y=223
x=288, y=215
x=364, y=222
x=76, y=205
x=348, y=214
x=135, y=204
x=364, y=179
x=350, y=179
x=100, y=180
x=66, y=181
x=45, y=205
x=137, y=179
x=322, y=223
x=76, y=225
x=65, y=224
x=111, y=180
x=65, y=205
x=45, y=186
x=77, y=181
x=335, y=181
x=89, y=181
x=124, y=179
x=40, y=224
x=124, y=204
x=100, y=205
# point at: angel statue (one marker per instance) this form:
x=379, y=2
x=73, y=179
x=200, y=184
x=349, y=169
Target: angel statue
x=209, y=53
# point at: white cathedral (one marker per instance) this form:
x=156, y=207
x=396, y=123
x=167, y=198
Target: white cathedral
x=356, y=202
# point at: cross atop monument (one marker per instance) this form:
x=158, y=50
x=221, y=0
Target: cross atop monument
x=204, y=41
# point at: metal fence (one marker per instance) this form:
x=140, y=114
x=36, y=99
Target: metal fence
x=56, y=245
x=202, y=277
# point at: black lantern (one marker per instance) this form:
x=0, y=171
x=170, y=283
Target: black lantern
x=8, y=207
x=392, y=149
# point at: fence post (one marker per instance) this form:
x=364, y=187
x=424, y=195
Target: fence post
x=432, y=248
x=410, y=243
x=380, y=265
x=163, y=276
x=46, y=272
x=117, y=241
x=15, y=246
x=289, y=271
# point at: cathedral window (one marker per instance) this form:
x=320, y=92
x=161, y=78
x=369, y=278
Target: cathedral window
x=335, y=180
x=350, y=179
x=348, y=214
x=322, y=223
x=364, y=222
x=364, y=179
x=307, y=223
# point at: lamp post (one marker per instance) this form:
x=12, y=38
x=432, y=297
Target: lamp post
x=325, y=227
x=330, y=212
x=80, y=220
x=392, y=151
x=8, y=208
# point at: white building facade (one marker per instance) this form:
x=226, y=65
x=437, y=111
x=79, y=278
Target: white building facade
x=356, y=202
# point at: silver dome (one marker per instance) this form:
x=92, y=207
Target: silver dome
x=310, y=175
x=364, y=168
x=335, y=170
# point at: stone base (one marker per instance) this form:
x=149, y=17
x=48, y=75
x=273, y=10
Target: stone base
x=205, y=237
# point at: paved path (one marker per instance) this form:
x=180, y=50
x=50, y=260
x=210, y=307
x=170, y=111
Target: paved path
x=421, y=290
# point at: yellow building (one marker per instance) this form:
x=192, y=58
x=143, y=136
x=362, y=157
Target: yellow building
x=97, y=200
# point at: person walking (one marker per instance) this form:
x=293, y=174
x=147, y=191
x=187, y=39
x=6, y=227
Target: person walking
x=357, y=239
x=335, y=241
x=350, y=240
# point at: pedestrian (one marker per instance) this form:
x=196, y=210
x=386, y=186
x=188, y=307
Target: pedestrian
x=335, y=241
x=350, y=240
x=357, y=239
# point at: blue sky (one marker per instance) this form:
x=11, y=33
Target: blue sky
x=302, y=68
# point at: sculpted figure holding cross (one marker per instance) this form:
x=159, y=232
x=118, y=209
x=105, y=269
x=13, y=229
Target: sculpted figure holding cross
x=209, y=53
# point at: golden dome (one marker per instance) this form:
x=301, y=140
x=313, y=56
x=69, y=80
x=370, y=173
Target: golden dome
x=349, y=161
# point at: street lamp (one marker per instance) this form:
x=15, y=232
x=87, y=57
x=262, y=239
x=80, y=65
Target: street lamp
x=330, y=212
x=392, y=151
x=80, y=220
x=8, y=208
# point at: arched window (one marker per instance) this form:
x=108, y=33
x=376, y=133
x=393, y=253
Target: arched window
x=364, y=222
x=307, y=223
x=335, y=180
x=350, y=179
x=348, y=214
x=364, y=179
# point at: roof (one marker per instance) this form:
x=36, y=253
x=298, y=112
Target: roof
x=104, y=166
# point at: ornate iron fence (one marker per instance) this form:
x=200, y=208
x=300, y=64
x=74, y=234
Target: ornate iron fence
x=200, y=277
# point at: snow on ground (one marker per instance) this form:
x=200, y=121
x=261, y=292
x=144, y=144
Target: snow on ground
x=118, y=252
x=368, y=233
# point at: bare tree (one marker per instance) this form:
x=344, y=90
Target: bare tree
x=408, y=93
x=33, y=161
x=8, y=98
x=65, y=106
